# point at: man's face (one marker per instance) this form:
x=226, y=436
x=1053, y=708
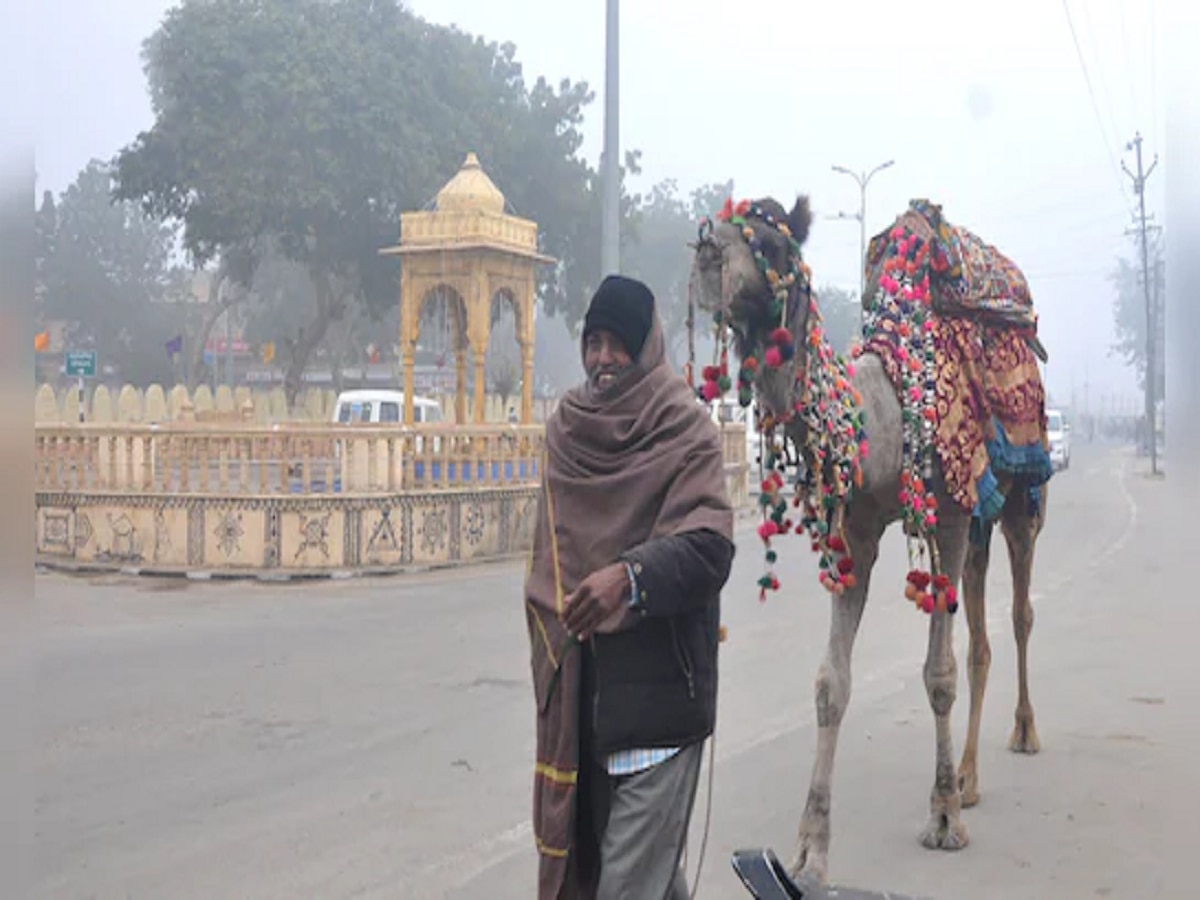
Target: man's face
x=604, y=358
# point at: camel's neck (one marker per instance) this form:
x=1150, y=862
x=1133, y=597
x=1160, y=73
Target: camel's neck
x=780, y=389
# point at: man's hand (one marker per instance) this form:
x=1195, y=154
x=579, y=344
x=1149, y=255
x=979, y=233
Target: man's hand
x=599, y=604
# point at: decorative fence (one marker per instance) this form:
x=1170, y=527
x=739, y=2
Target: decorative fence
x=293, y=498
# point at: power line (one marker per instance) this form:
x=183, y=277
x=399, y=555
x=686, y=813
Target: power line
x=1099, y=69
x=1087, y=80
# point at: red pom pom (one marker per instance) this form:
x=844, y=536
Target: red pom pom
x=710, y=391
x=951, y=597
x=750, y=363
x=837, y=545
x=781, y=336
x=927, y=602
x=773, y=358
x=711, y=373
x=845, y=565
x=941, y=582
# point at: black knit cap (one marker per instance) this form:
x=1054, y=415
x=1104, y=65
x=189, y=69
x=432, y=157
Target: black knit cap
x=625, y=307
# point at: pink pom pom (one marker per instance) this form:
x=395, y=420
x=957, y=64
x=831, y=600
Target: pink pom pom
x=931, y=521
x=711, y=391
x=864, y=449
x=773, y=358
x=767, y=530
x=914, y=394
x=850, y=366
x=927, y=602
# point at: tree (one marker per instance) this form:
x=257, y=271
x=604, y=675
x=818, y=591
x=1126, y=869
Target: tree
x=306, y=126
x=840, y=311
x=656, y=251
x=503, y=362
x=106, y=271
x=1129, y=316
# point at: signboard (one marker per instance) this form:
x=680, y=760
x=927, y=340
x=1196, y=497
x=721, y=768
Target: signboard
x=81, y=363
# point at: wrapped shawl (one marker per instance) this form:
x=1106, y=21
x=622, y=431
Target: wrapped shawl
x=638, y=461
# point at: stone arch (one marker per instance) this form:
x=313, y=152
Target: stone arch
x=445, y=300
x=504, y=357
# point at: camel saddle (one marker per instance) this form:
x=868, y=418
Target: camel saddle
x=977, y=281
x=766, y=879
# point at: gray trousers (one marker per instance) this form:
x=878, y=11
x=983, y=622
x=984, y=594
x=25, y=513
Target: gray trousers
x=642, y=827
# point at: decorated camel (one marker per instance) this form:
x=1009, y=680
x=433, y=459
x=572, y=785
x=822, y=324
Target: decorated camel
x=937, y=421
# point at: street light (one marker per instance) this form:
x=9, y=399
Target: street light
x=863, y=180
x=610, y=224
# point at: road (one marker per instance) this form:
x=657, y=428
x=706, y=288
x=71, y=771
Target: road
x=373, y=738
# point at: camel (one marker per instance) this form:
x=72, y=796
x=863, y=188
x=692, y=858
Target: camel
x=861, y=456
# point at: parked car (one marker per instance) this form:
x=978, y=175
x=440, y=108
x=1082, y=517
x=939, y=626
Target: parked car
x=1059, y=432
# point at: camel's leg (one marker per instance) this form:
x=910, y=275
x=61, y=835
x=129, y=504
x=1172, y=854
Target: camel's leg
x=1021, y=533
x=945, y=829
x=811, y=860
x=979, y=660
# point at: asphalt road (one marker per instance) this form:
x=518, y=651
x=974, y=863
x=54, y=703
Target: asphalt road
x=373, y=738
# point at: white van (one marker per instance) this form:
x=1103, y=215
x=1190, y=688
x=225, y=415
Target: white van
x=380, y=407
x=1058, y=431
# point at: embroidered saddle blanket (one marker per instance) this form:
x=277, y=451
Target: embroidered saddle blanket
x=985, y=394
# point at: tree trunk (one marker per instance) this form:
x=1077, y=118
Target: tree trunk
x=216, y=306
x=330, y=304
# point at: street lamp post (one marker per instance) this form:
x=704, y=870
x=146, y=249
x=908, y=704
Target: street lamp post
x=862, y=180
x=610, y=226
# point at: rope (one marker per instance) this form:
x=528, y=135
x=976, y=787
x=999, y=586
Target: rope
x=712, y=767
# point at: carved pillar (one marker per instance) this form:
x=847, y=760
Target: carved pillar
x=525, y=338
x=410, y=310
x=478, y=330
x=480, y=385
x=407, y=350
x=526, y=382
x=460, y=384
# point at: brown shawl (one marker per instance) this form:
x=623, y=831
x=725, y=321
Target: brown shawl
x=638, y=461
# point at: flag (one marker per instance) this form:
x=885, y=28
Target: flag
x=174, y=346
x=268, y=351
x=41, y=342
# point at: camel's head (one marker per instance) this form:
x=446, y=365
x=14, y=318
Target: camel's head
x=728, y=277
x=748, y=274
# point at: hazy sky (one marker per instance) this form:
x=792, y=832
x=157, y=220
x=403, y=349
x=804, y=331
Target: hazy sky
x=987, y=113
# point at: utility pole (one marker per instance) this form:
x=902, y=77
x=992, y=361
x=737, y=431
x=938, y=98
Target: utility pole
x=1139, y=187
x=610, y=231
x=862, y=180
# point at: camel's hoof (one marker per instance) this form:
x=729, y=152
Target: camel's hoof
x=809, y=865
x=945, y=833
x=968, y=786
x=1024, y=738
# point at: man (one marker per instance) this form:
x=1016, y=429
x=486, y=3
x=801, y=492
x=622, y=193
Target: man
x=632, y=545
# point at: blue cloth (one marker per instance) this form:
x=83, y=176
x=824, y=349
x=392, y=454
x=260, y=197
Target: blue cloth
x=1030, y=461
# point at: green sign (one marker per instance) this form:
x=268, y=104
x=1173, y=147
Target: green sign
x=81, y=363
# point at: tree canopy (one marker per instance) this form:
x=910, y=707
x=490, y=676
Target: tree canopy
x=304, y=127
x=1129, y=316
x=105, y=269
